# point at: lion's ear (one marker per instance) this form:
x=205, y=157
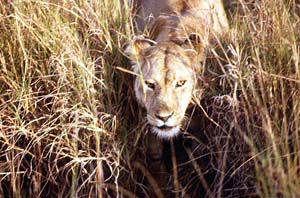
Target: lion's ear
x=196, y=42
x=195, y=50
x=137, y=46
x=195, y=47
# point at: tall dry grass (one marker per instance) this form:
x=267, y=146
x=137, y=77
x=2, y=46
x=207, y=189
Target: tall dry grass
x=69, y=124
x=59, y=102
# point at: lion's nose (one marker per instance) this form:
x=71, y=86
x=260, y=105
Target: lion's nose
x=164, y=117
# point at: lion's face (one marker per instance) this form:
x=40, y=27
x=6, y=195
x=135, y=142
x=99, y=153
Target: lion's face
x=164, y=85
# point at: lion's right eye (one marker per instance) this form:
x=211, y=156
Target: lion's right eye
x=180, y=83
x=150, y=85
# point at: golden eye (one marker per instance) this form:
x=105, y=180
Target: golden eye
x=180, y=83
x=150, y=85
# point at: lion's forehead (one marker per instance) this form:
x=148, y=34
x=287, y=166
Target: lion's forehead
x=167, y=67
x=167, y=75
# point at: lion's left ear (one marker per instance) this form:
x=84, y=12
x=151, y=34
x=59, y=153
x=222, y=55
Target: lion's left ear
x=196, y=42
x=194, y=48
x=137, y=46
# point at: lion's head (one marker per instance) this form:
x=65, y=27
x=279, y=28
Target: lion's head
x=166, y=78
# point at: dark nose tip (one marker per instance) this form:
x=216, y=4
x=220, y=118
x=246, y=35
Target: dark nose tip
x=164, y=117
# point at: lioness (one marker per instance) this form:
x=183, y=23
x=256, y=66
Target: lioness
x=167, y=64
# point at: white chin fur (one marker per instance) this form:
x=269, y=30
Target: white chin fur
x=166, y=133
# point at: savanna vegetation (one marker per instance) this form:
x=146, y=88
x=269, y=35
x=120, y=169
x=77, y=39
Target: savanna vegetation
x=70, y=125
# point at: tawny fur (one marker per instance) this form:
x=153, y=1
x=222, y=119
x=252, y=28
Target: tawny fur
x=167, y=63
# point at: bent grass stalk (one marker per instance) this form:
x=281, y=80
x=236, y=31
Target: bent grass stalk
x=69, y=124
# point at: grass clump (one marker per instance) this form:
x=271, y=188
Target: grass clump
x=57, y=131
x=70, y=126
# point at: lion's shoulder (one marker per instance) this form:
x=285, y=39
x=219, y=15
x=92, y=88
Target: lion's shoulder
x=170, y=18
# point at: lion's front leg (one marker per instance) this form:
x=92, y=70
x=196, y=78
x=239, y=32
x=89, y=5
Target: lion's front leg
x=156, y=162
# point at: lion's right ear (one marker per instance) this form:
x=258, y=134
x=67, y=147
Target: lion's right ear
x=135, y=49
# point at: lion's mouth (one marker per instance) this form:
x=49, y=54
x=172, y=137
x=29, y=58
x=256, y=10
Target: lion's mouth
x=165, y=127
x=165, y=131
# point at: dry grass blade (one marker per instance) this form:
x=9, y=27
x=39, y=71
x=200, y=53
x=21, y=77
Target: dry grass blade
x=70, y=125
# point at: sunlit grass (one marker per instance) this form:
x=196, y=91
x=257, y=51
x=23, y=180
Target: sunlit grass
x=69, y=123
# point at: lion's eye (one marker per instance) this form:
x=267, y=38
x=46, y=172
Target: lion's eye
x=150, y=85
x=180, y=83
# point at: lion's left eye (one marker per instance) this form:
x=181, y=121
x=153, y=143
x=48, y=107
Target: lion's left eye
x=180, y=83
x=150, y=85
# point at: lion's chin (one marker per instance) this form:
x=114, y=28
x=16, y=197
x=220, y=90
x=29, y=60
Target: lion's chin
x=166, y=132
